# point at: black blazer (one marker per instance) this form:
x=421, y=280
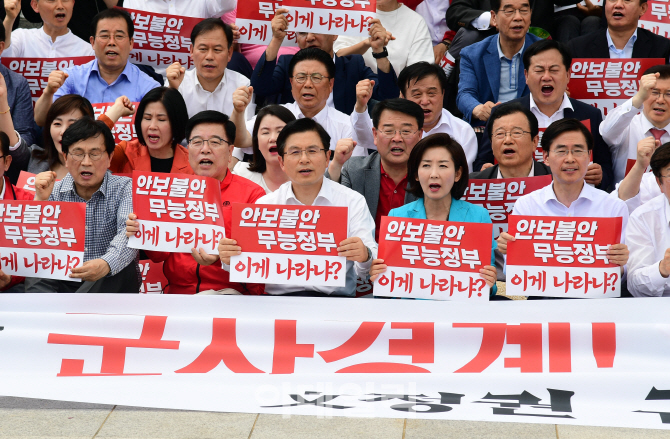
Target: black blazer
x=492, y=172
x=594, y=45
x=582, y=111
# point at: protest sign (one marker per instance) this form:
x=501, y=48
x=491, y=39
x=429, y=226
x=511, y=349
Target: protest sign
x=433, y=259
x=37, y=70
x=124, y=128
x=177, y=212
x=290, y=245
x=562, y=257
x=331, y=17
x=607, y=83
x=657, y=18
x=153, y=279
x=498, y=196
x=162, y=39
x=42, y=238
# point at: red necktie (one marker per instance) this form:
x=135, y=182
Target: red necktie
x=657, y=133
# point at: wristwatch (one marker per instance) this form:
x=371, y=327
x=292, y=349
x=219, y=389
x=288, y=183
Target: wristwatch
x=383, y=54
x=369, y=254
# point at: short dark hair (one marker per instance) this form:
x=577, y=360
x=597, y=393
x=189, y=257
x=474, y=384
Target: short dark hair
x=313, y=54
x=419, y=70
x=512, y=108
x=257, y=163
x=439, y=140
x=210, y=24
x=175, y=107
x=113, y=13
x=63, y=105
x=495, y=4
x=660, y=159
x=565, y=126
x=88, y=128
x=400, y=105
x=544, y=45
x=303, y=126
x=212, y=116
x=663, y=69
x=4, y=144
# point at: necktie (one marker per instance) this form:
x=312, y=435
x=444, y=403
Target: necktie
x=657, y=133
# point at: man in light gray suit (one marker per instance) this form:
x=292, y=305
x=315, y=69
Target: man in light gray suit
x=381, y=177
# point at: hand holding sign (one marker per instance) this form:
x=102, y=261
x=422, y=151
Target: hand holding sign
x=279, y=24
x=132, y=226
x=363, y=94
x=202, y=258
x=44, y=184
x=589, y=8
x=353, y=249
x=55, y=81
x=227, y=248
x=502, y=242
x=175, y=74
x=664, y=265
x=91, y=271
x=378, y=267
x=617, y=254
x=5, y=279
x=490, y=274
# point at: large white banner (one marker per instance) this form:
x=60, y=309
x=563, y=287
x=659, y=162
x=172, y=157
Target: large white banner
x=583, y=362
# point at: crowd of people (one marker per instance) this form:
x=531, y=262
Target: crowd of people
x=392, y=124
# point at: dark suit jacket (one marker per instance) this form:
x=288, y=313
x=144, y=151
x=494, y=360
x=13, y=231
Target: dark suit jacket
x=582, y=111
x=594, y=45
x=272, y=77
x=492, y=172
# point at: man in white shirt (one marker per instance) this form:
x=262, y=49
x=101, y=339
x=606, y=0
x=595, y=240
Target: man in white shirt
x=185, y=8
x=645, y=114
x=312, y=74
x=53, y=40
x=566, y=144
x=303, y=155
x=210, y=85
x=648, y=236
x=423, y=83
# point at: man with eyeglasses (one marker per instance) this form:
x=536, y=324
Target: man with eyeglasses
x=209, y=135
x=303, y=155
x=492, y=69
x=622, y=38
x=110, y=266
x=109, y=75
x=381, y=177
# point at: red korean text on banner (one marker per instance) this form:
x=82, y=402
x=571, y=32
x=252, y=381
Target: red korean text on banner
x=162, y=39
x=657, y=18
x=290, y=245
x=332, y=17
x=42, y=238
x=177, y=212
x=37, y=70
x=498, y=196
x=124, y=128
x=27, y=181
x=433, y=259
x=562, y=257
x=607, y=83
x=153, y=279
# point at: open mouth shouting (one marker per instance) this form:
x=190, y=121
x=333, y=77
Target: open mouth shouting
x=508, y=152
x=308, y=96
x=111, y=54
x=659, y=111
x=153, y=138
x=434, y=187
x=305, y=172
x=86, y=175
x=205, y=163
x=60, y=16
x=547, y=90
x=397, y=150
x=273, y=150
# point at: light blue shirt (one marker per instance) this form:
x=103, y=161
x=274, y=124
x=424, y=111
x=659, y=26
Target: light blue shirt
x=85, y=80
x=509, y=71
x=626, y=52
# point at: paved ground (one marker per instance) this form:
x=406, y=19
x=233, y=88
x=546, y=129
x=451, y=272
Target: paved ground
x=35, y=418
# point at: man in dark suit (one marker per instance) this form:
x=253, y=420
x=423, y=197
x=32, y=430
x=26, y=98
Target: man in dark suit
x=381, y=177
x=547, y=75
x=622, y=38
x=271, y=75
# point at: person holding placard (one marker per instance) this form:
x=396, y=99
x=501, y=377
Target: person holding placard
x=437, y=176
x=303, y=154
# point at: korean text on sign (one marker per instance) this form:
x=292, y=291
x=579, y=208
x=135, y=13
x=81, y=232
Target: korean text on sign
x=290, y=245
x=607, y=83
x=153, y=279
x=332, y=17
x=562, y=257
x=498, y=196
x=27, y=181
x=162, y=39
x=42, y=238
x=37, y=70
x=657, y=18
x=433, y=259
x=177, y=212
x=124, y=128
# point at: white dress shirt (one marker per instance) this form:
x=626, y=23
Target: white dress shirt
x=434, y=14
x=35, y=43
x=626, y=52
x=623, y=127
x=221, y=99
x=242, y=169
x=648, y=237
x=543, y=121
x=184, y=8
x=359, y=223
x=460, y=130
x=592, y=203
x=483, y=22
x=648, y=191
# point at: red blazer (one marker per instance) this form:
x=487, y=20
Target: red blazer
x=14, y=193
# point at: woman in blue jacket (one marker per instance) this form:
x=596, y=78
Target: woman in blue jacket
x=437, y=172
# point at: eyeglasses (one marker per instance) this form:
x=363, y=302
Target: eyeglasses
x=516, y=133
x=565, y=152
x=509, y=12
x=117, y=37
x=656, y=94
x=405, y=134
x=214, y=142
x=316, y=78
x=79, y=156
x=295, y=154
